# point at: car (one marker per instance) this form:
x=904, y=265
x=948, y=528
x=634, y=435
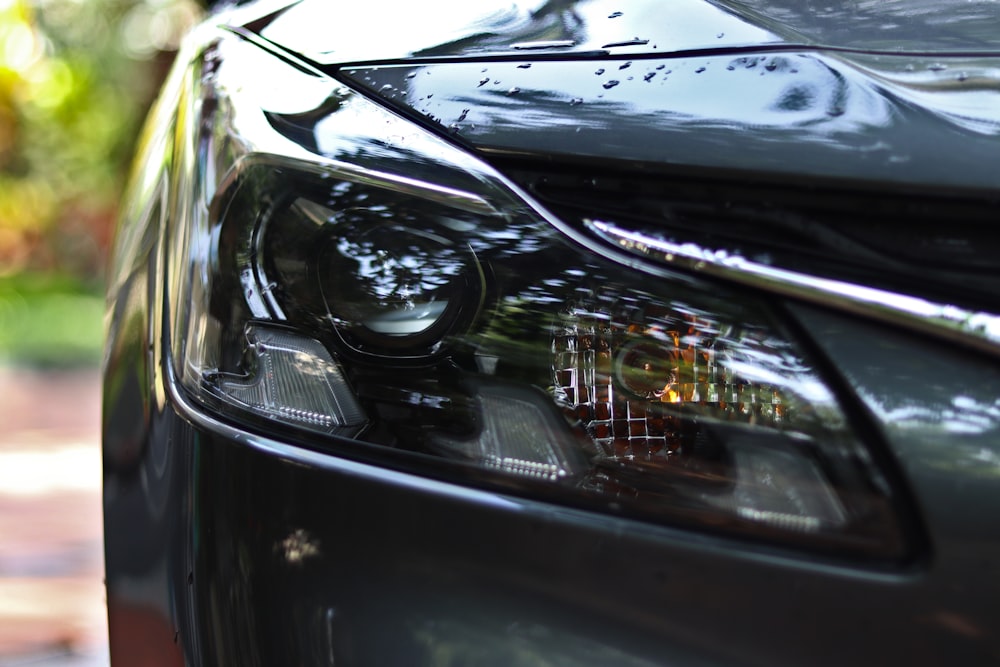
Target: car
x=561, y=333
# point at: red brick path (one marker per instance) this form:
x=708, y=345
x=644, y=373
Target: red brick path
x=51, y=569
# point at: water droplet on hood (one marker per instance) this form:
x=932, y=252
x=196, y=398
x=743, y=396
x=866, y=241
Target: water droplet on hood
x=514, y=91
x=524, y=66
x=625, y=65
x=576, y=100
x=720, y=35
x=649, y=76
x=599, y=72
x=937, y=67
x=700, y=70
x=614, y=15
x=411, y=75
x=483, y=82
x=611, y=84
x=461, y=117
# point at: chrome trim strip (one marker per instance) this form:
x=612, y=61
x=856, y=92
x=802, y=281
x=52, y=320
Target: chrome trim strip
x=338, y=169
x=980, y=330
x=451, y=197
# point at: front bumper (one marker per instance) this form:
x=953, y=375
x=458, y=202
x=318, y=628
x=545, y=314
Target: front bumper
x=229, y=548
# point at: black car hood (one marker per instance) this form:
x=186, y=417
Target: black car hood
x=883, y=92
x=376, y=30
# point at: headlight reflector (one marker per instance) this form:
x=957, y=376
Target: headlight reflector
x=407, y=297
x=293, y=378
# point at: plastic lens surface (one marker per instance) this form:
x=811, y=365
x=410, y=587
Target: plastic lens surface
x=292, y=377
x=495, y=343
x=353, y=284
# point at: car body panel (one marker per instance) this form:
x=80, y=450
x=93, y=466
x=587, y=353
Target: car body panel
x=224, y=546
x=466, y=30
x=869, y=104
x=790, y=114
x=326, y=34
x=258, y=552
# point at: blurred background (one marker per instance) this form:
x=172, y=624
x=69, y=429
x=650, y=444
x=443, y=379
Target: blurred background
x=76, y=79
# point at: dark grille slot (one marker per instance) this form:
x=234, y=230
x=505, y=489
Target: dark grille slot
x=942, y=247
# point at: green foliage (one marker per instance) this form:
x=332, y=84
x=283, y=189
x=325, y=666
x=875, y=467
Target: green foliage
x=76, y=77
x=49, y=320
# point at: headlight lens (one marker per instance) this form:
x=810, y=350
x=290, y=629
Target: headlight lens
x=389, y=291
x=389, y=279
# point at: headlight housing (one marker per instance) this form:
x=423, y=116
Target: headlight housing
x=344, y=279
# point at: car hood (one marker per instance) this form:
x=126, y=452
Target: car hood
x=884, y=92
x=375, y=30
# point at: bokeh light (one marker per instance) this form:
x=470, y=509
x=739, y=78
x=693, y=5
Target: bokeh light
x=76, y=78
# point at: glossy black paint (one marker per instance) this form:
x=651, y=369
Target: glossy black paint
x=629, y=27
x=227, y=547
x=456, y=29
x=792, y=114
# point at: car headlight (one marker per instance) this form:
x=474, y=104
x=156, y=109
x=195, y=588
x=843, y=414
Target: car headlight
x=342, y=278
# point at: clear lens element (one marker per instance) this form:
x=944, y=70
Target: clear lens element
x=520, y=433
x=391, y=285
x=393, y=292
x=292, y=378
x=721, y=405
x=499, y=345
